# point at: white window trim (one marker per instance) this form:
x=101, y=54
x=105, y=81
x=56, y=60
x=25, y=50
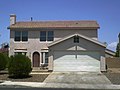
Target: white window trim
x=20, y=41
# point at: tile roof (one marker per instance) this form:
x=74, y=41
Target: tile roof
x=56, y=24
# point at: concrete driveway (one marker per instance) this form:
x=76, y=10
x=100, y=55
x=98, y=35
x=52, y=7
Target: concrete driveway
x=77, y=78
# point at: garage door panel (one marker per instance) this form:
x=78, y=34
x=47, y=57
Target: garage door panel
x=80, y=68
x=76, y=61
x=61, y=55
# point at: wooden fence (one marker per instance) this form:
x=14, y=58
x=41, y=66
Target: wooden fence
x=113, y=62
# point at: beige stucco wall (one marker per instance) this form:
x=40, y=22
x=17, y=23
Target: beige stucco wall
x=33, y=44
x=62, y=33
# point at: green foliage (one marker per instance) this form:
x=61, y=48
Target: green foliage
x=7, y=59
x=19, y=66
x=117, y=51
x=3, y=61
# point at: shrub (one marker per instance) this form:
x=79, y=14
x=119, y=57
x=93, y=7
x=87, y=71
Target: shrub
x=19, y=66
x=3, y=62
x=7, y=59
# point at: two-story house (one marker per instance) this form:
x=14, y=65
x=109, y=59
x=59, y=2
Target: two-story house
x=62, y=45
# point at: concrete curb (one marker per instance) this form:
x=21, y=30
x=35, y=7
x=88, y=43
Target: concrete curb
x=39, y=73
x=63, y=85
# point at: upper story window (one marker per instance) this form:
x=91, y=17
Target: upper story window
x=46, y=36
x=21, y=36
x=76, y=39
x=43, y=36
x=50, y=36
x=24, y=36
x=17, y=35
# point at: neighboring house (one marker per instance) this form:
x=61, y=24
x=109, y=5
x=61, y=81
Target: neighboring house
x=4, y=48
x=109, y=53
x=62, y=45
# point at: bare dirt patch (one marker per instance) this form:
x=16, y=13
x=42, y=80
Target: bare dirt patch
x=113, y=70
x=113, y=74
x=31, y=78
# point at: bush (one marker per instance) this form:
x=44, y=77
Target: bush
x=7, y=59
x=3, y=61
x=19, y=66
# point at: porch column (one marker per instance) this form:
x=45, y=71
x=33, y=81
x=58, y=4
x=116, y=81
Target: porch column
x=50, y=63
x=44, y=57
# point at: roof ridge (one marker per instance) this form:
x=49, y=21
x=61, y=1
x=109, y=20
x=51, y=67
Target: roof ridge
x=58, y=21
x=57, y=24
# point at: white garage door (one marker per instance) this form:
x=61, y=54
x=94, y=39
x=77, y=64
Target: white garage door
x=76, y=61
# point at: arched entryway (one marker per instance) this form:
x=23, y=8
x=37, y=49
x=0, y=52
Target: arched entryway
x=36, y=59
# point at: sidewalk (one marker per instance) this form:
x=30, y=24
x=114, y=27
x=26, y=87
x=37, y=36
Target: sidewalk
x=63, y=85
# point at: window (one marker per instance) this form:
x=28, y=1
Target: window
x=21, y=36
x=25, y=36
x=43, y=36
x=50, y=36
x=44, y=58
x=46, y=36
x=76, y=39
x=17, y=35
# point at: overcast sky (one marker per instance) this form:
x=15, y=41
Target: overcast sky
x=105, y=12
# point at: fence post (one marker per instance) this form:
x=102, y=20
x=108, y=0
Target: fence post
x=102, y=64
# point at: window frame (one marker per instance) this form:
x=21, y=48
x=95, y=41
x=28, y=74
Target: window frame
x=24, y=36
x=76, y=39
x=47, y=36
x=50, y=37
x=17, y=36
x=21, y=36
x=43, y=36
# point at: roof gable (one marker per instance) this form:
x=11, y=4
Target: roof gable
x=81, y=36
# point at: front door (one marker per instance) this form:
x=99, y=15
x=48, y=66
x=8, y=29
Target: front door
x=36, y=59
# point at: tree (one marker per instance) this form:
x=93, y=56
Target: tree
x=117, y=51
x=5, y=45
x=117, y=54
x=3, y=62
